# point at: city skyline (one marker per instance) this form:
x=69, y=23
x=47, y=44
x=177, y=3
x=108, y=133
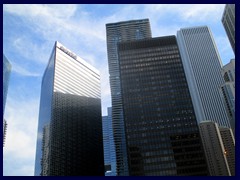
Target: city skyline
x=28, y=38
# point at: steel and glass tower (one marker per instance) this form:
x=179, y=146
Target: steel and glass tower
x=202, y=66
x=228, y=20
x=109, y=146
x=119, y=32
x=69, y=141
x=162, y=134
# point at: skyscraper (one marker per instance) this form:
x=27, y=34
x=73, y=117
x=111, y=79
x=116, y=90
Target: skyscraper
x=214, y=149
x=202, y=66
x=69, y=141
x=161, y=129
x=118, y=32
x=6, y=75
x=4, y=130
x=229, y=147
x=228, y=20
x=109, y=146
x=227, y=91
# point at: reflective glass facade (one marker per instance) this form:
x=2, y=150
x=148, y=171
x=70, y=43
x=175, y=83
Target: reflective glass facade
x=109, y=146
x=228, y=20
x=70, y=126
x=119, y=32
x=160, y=124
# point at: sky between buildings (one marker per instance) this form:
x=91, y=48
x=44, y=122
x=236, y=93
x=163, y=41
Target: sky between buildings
x=29, y=33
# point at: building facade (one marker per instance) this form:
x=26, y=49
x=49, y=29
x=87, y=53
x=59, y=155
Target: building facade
x=228, y=21
x=227, y=91
x=6, y=75
x=214, y=149
x=118, y=32
x=4, y=130
x=161, y=129
x=229, y=147
x=202, y=66
x=69, y=140
x=109, y=146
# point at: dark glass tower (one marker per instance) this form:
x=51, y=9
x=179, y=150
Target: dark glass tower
x=161, y=129
x=228, y=21
x=119, y=32
x=69, y=139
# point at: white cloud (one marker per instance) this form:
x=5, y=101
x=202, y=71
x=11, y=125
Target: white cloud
x=84, y=34
x=20, y=143
x=32, y=10
x=186, y=12
x=32, y=50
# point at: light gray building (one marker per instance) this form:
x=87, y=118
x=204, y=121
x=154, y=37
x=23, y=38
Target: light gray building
x=228, y=20
x=119, y=32
x=214, y=149
x=227, y=91
x=69, y=139
x=202, y=66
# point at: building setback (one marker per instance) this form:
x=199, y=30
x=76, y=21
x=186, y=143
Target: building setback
x=202, y=66
x=109, y=146
x=118, y=32
x=229, y=147
x=69, y=141
x=161, y=129
x=228, y=21
x=214, y=149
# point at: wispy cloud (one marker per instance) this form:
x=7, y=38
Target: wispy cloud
x=23, y=72
x=83, y=32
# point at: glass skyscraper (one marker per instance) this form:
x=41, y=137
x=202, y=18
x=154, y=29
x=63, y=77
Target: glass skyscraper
x=118, y=32
x=162, y=134
x=109, y=146
x=202, y=66
x=6, y=75
x=69, y=140
x=228, y=20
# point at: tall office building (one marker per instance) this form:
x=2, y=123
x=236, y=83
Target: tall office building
x=214, y=149
x=118, y=32
x=227, y=91
x=202, y=66
x=4, y=130
x=228, y=20
x=109, y=146
x=229, y=147
x=69, y=141
x=161, y=129
x=6, y=75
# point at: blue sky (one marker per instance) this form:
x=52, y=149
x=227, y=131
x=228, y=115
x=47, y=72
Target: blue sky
x=29, y=33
